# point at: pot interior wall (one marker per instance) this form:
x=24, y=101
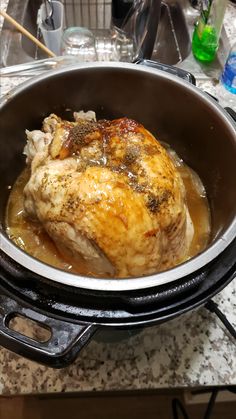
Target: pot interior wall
x=173, y=113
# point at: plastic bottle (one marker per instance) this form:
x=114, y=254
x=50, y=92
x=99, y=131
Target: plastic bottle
x=228, y=77
x=207, y=31
x=226, y=90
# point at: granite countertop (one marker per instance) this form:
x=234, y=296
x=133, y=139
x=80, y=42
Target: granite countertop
x=192, y=350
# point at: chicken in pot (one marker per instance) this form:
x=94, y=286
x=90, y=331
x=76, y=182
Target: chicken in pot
x=108, y=193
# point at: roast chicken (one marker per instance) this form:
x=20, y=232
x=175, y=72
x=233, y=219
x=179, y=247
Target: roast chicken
x=109, y=192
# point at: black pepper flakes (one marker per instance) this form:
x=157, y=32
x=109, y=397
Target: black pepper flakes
x=154, y=202
x=77, y=134
x=131, y=155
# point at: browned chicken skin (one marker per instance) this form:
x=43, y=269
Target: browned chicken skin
x=107, y=190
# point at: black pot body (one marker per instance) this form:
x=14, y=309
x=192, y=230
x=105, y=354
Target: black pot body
x=175, y=112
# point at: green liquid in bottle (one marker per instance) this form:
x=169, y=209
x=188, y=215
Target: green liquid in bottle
x=204, y=43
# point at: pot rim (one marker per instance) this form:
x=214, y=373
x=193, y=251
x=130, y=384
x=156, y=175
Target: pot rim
x=126, y=284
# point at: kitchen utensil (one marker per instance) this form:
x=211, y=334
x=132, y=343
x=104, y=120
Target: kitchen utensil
x=26, y=33
x=53, y=14
x=49, y=19
x=73, y=306
x=37, y=67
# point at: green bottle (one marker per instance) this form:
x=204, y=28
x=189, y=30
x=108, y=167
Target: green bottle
x=207, y=31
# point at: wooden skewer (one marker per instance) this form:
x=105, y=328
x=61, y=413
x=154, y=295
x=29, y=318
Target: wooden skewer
x=26, y=33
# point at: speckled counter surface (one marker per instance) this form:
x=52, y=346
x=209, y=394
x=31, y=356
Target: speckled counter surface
x=191, y=350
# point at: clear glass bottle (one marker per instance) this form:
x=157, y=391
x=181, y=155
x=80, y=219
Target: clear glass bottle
x=79, y=42
x=207, y=31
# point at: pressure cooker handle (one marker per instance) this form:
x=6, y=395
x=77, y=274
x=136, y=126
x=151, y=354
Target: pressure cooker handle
x=231, y=112
x=185, y=75
x=65, y=342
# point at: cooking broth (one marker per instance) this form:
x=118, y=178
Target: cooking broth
x=31, y=237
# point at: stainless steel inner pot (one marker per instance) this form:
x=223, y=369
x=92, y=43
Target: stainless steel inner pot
x=176, y=112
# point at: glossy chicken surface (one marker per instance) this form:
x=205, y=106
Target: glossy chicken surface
x=109, y=192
